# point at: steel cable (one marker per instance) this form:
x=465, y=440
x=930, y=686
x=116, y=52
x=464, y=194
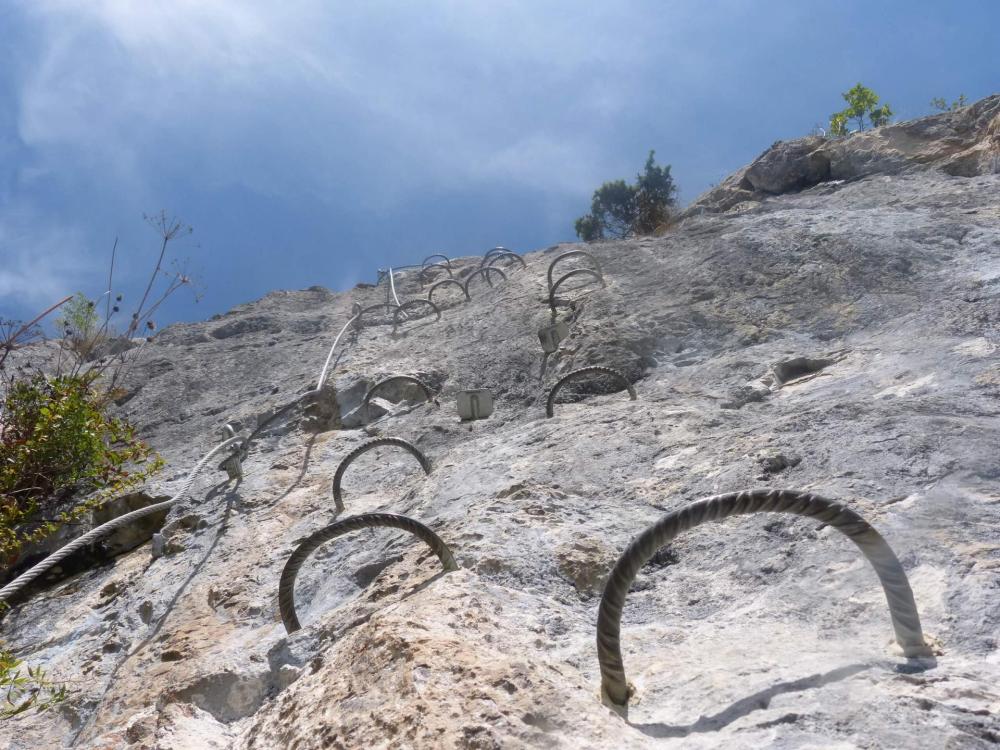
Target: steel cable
x=106, y=528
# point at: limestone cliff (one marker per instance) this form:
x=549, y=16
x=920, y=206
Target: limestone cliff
x=827, y=319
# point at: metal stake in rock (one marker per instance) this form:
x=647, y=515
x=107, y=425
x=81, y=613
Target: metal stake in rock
x=474, y=404
x=550, y=336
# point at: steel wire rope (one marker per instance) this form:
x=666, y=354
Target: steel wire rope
x=105, y=528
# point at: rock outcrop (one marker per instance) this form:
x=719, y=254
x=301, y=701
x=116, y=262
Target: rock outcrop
x=840, y=338
x=964, y=143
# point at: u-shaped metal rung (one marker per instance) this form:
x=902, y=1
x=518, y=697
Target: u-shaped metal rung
x=338, y=477
x=443, y=282
x=485, y=273
x=425, y=269
x=380, y=306
x=494, y=251
x=442, y=256
x=393, y=379
x=902, y=607
x=579, y=271
x=489, y=261
x=410, y=303
x=286, y=585
x=571, y=254
x=551, y=402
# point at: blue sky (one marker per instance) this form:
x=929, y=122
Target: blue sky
x=309, y=142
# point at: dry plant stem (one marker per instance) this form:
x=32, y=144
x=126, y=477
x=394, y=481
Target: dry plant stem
x=11, y=343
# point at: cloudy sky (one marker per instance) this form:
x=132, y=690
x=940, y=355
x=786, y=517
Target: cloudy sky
x=311, y=141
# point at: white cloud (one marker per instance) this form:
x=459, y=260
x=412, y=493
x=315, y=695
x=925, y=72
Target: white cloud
x=386, y=96
x=40, y=263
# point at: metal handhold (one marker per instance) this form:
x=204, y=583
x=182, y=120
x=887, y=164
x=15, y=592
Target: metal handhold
x=286, y=585
x=902, y=607
x=490, y=260
x=485, y=273
x=550, y=336
x=442, y=256
x=422, y=276
x=446, y=282
x=550, y=403
x=474, y=404
x=571, y=254
x=578, y=272
x=338, y=476
x=401, y=310
x=428, y=393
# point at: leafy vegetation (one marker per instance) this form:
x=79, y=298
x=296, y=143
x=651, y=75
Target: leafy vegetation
x=862, y=104
x=58, y=441
x=940, y=104
x=25, y=687
x=619, y=209
x=63, y=452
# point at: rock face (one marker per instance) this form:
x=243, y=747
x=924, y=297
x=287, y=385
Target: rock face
x=965, y=143
x=841, y=339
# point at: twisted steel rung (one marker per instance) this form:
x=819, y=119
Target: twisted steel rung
x=578, y=272
x=338, y=477
x=485, y=273
x=444, y=282
x=494, y=251
x=394, y=379
x=490, y=260
x=902, y=607
x=443, y=257
x=571, y=254
x=286, y=586
x=551, y=402
x=424, y=269
x=380, y=306
x=401, y=310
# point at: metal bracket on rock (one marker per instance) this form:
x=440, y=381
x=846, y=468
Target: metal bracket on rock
x=551, y=336
x=474, y=404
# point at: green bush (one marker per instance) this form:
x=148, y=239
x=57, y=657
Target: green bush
x=862, y=103
x=619, y=209
x=25, y=687
x=939, y=103
x=57, y=441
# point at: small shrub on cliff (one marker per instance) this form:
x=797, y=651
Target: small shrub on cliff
x=57, y=442
x=940, y=104
x=25, y=687
x=862, y=103
x=619, y=209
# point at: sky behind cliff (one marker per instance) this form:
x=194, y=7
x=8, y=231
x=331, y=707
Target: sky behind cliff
x=311, y=142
